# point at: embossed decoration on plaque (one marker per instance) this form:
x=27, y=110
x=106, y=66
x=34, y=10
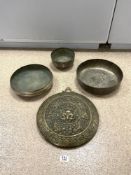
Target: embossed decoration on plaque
x=68, y=119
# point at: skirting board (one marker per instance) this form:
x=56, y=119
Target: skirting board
x=121, y=46
x=11, y=44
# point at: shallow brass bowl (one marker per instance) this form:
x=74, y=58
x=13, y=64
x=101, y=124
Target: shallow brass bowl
x=31, y=80
x=99, y=76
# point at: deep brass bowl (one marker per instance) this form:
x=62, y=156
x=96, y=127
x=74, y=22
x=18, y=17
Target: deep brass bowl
x=99, y=76
x=31, y=80
x=63, y=58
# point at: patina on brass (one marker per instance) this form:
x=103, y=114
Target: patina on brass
x=31, y=80
x=63, y=58
x=67, y=119
x=99, y=76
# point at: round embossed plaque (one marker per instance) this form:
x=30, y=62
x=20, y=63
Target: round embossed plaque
x=68, y=119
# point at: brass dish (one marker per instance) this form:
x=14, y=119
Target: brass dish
x=99, y=76
x=31, y=80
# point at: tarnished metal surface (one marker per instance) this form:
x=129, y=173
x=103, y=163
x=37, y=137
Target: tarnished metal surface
x=63, y=58
x=68, y=119
x=99, y=76
x=31, y=80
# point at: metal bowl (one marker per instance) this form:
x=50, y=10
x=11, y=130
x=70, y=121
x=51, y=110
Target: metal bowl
x=99, y=76
x=31, y=80
x=63, y=58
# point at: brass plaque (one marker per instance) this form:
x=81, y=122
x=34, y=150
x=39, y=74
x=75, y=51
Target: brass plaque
x=67, y=119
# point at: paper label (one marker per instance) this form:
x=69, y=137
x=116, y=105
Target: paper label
x=64, y=158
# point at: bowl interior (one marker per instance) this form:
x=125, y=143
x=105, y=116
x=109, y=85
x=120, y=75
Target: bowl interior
x=31, y=78
x=99, y=74
x=62, y=55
